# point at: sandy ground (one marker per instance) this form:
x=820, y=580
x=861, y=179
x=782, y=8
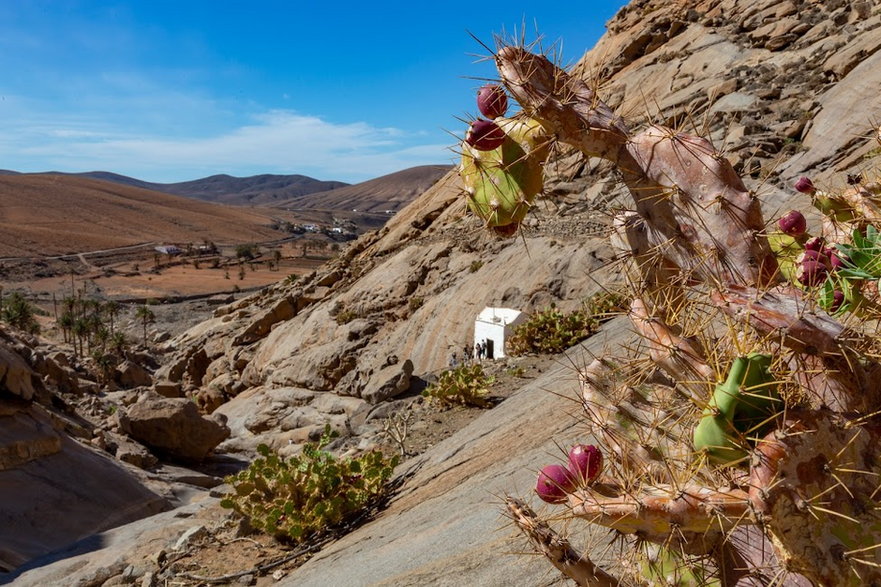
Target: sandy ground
x=122, y=282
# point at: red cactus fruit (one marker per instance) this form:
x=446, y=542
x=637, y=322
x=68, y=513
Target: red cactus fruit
x=554, y=482
x=492, y=101
x=485, y=135
x=814, y=243
x=837, y=300
x=793, y=223
x=805, y=185
x=811, y=272
x=837, y=260
x=585, y=463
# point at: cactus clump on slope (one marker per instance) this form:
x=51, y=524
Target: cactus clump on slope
x=759, y=464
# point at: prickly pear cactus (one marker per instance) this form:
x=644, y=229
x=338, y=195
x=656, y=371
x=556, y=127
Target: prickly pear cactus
x=754, y=459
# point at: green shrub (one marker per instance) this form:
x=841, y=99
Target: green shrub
x=552, y=331
x=246, y=251
x=464, y=385
x=516, y=372
x=415, y=303
x=307, y=495
x=345, y=316
x=475, y=265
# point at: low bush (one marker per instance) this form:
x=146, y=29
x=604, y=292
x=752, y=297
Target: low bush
x=552, y=331
x=345, y=315
x=415, y=303
x=305, y=496
x=464, y=385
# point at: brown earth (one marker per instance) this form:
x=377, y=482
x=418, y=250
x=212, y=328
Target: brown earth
x=45, y=215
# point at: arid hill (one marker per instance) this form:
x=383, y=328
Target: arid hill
x=387, y=193
x=227, y=189
x=62, y=214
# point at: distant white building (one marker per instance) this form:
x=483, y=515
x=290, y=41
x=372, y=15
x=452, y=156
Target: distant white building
x=495, y=325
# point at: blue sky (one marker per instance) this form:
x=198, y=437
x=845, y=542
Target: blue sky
x=169, y=91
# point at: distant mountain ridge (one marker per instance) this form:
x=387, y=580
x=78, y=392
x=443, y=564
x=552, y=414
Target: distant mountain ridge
x=388, y=192
x=262, y=189
x=254, y=190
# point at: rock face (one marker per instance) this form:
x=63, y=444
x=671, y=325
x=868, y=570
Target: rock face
x=172, y=426
x=55, y=490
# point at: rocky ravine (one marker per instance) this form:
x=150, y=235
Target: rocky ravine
x=788, y=88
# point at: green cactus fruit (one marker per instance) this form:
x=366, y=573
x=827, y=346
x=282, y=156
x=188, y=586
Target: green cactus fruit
x=716, y=436
x=749, y=394
x=753, y=390
x=503, y=182
x=741, y=407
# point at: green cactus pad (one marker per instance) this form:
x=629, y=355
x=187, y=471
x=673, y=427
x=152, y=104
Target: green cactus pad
x=833, y=207
x=502, y=183
x=787, y=249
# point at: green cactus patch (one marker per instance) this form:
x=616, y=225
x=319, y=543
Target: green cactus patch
x=301, y=497
x=465, y=385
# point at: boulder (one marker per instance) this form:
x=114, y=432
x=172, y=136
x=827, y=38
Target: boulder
x=58, y=490
x=389, y=382
x=168, y=389
x=129, y=374
x=25, y=435
x=172, y=426
x=15, y=374
x=128, y=451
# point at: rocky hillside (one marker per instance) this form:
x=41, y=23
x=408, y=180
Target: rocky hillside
x=787, y=88
x=381, y=195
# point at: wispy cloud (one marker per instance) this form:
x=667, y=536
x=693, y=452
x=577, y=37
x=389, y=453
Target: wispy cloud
x=275, y=141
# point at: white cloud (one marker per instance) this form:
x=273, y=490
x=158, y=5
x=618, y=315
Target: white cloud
x=276, y=141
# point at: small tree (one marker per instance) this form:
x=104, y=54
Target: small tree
x=146, y=316
x=246, y=251
x=113, y=309
x=19, y=312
